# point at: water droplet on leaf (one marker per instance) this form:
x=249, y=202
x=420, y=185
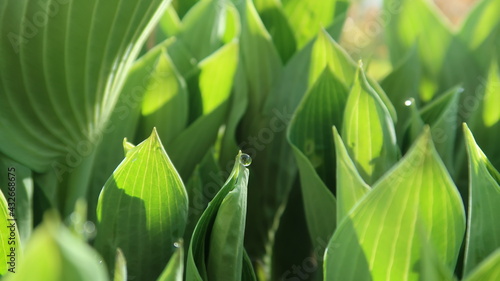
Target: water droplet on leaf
x=176, y=245
x=245, y=159
x=408, y=102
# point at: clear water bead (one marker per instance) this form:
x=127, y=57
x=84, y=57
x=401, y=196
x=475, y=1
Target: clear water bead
x=176, y=245
x=408, y=102
x=245, y=159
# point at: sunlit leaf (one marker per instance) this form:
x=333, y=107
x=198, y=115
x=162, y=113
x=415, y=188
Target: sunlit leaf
x=142, y=210
x=379, y=240
x=489, y=269
x=174, y=271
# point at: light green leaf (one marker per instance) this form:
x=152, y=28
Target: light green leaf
x=489, y=269
x=350, y=185
x=431, y=268
x=216, y=250
x=213, y=85
x=368, y=131
x=312, y=141
x=308, y=17
x=170, y=24
x=276, y=22
x=142, y=210
x=82, y=51
x=120, y=266
x=378, y=240
x=53, y=253
x=174, y=271
x=483, y=232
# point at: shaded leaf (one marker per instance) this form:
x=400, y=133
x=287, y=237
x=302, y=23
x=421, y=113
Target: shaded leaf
x=483, y=232
x=489, y=269
x=174, y=271
x=120, y=267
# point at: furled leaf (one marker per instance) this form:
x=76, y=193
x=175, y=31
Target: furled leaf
x=368, y=131
x=142, y=210
x=53, y=253
x=350, y=185
x=120, y=267
x=312, y=141
x=483, y=232
x=489, y=269
x=379, y=240
x=216, y=251
x=174, y=271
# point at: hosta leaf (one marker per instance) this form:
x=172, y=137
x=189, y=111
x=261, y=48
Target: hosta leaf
x=142, y=210
x=154, y=79
x=442, y=116
x=17, y=186
x=164, y=99
x=368, y=131
x=53, y=253
x=481, y=30
x=276, y=22
x=174, y=271
x=431, y=268
x=213, y=84
x=483, y=232
x=120, y=267
x=350, y=185
x=216, y=251
x=312, y=141
x=206, y=22
x=308, y=17
x=489, y=269
x=401, y=85
x=170, y=23
x=61, y=75
x=81, y=51
x=485, y=120
x=203, y=185
x=378, y=240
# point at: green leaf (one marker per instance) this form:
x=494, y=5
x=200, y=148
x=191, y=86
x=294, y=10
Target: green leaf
x=378, y=240
x=276, y=22
x=216, y=250
x=120, y=266
x=174, y=271
x=368, y=131
x=489, y=269
x=483, y=232
x=401, y=85
x=53, y=253
x=442, y=116
x=82, y=52
x=350, y=185
x=430, y=266
x=213, y=84
x=308, y=17
x=312, y=141
x=142, y=210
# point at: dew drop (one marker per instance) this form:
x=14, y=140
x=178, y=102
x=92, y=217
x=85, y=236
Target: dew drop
x=408, y=102
x=176, y=245
x=245, y=159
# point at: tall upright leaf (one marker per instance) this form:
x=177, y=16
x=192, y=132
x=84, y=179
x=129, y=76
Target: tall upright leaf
x=311, y=138
x=142, y=210
x=368, y=130
x=483, y=232
x=378, y=240
x=216, y=251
